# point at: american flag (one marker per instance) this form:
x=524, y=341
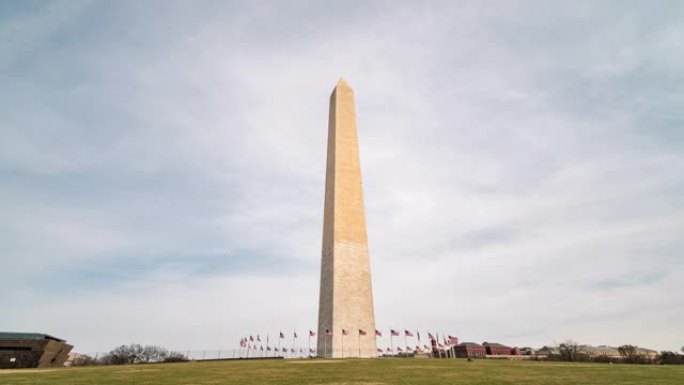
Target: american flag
x=408, y=333
x=426, y=347
x=261, y=348
x=394, y=332
x=379, y=350
x=440, y=345
x=295, y=334
x=377, y=333
x=430, y=336
x=292, y=350
x=328, y=333
x=344, y=332
x=418, y=334
x=258, y=338
x=282, y=335
x=453, y=340
x=311, y=334
x=268, y=348
x=251, y=338
x=311, y=350
x=389, y=350
x=399, y=350
x=362, y=332
x=408, y=349
x=275, y=349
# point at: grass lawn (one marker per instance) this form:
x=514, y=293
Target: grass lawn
x=378, y=371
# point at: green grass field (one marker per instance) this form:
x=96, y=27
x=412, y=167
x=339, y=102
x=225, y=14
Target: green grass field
x=379, y=371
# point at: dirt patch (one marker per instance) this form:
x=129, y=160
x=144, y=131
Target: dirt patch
x=317, y=362
x=15, y=371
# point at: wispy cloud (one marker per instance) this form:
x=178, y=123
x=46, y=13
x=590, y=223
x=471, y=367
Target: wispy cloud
x=522, y=160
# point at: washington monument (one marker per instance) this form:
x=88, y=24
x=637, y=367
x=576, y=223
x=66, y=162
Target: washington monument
x=346, y=324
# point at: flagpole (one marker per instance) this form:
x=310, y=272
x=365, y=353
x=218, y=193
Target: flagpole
x=342, y=343
x=405, y=344
x=439, y=351
x=391, y=344
x=325, y=345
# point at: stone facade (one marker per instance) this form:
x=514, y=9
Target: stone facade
x=346, y=298
x=32, y=350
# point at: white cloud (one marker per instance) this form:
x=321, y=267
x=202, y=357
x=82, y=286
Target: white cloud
x=520, y=184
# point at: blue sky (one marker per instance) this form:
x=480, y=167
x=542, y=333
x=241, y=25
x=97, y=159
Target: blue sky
x=162, y=167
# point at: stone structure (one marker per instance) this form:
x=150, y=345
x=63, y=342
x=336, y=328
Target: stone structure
x=346, y=298
x=32, y=350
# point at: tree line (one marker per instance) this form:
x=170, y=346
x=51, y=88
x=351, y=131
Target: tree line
x=131, y=354
x=566, y=351
x=629, y=354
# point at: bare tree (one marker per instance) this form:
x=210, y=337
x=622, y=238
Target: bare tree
x=124, y=355
x=153, y=354
x=136, y=354
x=630, y=354
x=569, y=351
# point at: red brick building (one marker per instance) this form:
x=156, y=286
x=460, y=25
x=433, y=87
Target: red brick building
x=469, y=349
x=494, y=349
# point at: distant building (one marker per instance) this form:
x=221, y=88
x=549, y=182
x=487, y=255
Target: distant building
x=469, y=349
x=527, y=351
x=546, y=351
x=494, y=349
x=72, y=357
x=593, y=352
x=32, y=350
x=613, y=352
x=599, y=351
x=648, y=353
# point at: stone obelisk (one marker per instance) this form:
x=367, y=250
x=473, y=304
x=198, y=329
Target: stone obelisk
x=346, y=297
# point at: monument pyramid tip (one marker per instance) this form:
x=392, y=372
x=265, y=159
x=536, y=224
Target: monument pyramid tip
x=341, y=82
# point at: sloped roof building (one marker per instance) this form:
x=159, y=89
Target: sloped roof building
x=32, y=350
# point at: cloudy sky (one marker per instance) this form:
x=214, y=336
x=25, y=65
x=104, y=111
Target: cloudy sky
x=162, y=168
